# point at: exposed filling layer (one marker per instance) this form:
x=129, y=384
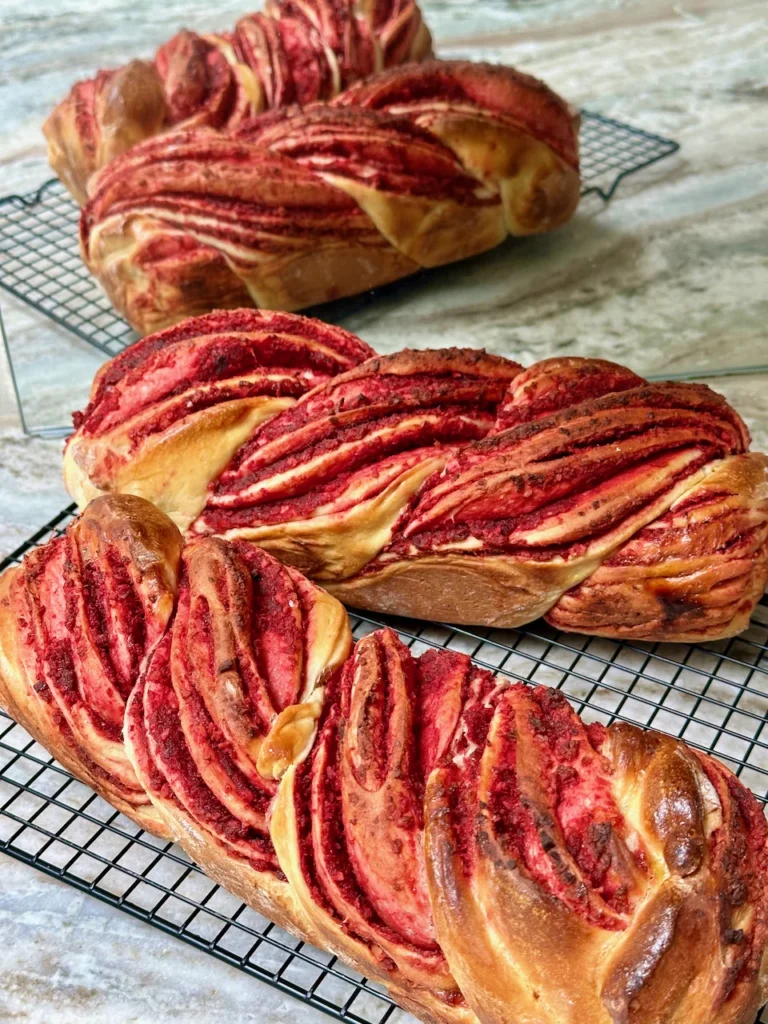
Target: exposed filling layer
x=239, y=653
x=359, y=801
x=353, y=438
x=496, y=93
x=379, y=151
x=553, y=486
x=525, y=786
x=88, y=613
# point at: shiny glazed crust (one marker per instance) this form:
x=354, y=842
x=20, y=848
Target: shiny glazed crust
x=64, y=674
x=447, y=484
x=628, y=911
x=421, y=166
x=293, y=52
x=464, y=840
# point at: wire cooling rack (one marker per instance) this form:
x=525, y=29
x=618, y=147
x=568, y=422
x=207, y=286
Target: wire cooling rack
x=714, y=696
x=40, y=262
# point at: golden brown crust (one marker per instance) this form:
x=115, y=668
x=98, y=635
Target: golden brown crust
x=454, y=485
x=536, y=929
x=56, y=680
x=289, y=54
x=334, y=199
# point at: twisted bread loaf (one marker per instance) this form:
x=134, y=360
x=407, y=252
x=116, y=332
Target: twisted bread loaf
x=420, y=166
x=447, y=484
x=77, y=619
x=297, y=51
x=466, y=841
x=168, y=680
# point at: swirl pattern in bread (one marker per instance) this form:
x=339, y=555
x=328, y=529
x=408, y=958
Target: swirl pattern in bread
x=446, y=484
x=463, y=839
x=425, y=165
x=296, y=51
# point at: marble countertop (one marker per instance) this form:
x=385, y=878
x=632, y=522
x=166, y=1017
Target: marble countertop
x=671, y=276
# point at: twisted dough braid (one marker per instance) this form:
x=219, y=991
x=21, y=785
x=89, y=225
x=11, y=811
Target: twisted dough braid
x=297, y=51
x=452, y=484
x=420, y=166
x=463, y=839
x=77, y=619
x=167, y=414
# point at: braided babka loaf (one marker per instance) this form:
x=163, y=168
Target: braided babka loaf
x=463, y=839
x=296, y=51
x=423, y=165
x=446, y=484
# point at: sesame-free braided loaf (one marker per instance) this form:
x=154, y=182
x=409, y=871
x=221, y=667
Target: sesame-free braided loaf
x=420, y=166
x=447, y=484
x=463, y=839
x=296, y=51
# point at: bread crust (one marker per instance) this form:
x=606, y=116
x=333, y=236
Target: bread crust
x=218, y=80
x=314, y=227
x=147, y=541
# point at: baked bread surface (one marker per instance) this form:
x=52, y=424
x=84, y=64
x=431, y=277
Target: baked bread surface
x=465, y=840
x=423, y=165
x=295, y=51
x=447, y=484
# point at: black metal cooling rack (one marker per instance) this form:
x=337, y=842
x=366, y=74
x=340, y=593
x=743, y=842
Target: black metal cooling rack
x=714, y=696
x=40, y=262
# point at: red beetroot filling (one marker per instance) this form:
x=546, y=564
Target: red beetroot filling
x=461, y=779
x=387, y=153
x=124, y=598
x=586, y=809
x=442, y=690
x=729, y=537
x=333, y=838
x=187, y=405
x=54, y=655
x=162, y=723
x=194, y=627
x=303, y=506
x=195, y=74
x=495, y=535
x=573, y=774
x=442, y=425
x=489, y=88
x=274, y=349
x=263, y=228
x=522, y=827
x=278, y=634
x=665, y=405
x=533, y=396
x=221, y=361
x=522, y=497
x=84, y=98
x=376, y=397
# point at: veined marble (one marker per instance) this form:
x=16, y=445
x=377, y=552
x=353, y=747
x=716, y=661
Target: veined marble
x=671, y=277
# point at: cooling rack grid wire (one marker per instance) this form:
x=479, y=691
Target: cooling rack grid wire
x=40, y=261
x=714, y=696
